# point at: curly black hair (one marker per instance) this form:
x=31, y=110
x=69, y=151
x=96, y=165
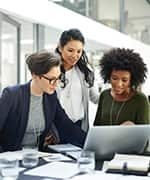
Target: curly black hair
x=75, y=34
x=123, y=59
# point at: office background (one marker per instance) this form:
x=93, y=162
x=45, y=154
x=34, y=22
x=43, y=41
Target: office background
x=28, y=26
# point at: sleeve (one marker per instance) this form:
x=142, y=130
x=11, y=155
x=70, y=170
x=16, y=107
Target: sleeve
x=94, y=95
x=5, y=105
x=143, y=112
x=98, y=113
x=68, y=131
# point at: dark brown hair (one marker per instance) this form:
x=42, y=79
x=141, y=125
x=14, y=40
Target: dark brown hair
x=41, y=62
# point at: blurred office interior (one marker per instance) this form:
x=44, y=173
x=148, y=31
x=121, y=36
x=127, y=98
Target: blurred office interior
x=131, y=17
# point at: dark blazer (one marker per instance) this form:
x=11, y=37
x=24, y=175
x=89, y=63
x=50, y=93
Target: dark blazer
x=14, y=111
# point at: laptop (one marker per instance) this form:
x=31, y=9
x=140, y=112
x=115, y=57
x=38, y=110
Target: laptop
x=105, y=141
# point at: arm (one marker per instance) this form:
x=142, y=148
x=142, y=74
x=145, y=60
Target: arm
x=143, y=111
x=68, y=131
x=94, y=95
x=140, y=109
x=98, y=113
x=5, y=105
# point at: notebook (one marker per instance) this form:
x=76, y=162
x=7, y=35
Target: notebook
x=129, y=164
x=105, y=141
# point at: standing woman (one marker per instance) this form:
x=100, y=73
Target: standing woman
x=122, y=103
x=77, y=78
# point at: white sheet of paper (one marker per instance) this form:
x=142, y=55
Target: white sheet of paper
x=64, y=147
x=55, y=169
x=11, y=155
x=19, y=155
x=131, y=157
x=56, y=157
x=75, y=154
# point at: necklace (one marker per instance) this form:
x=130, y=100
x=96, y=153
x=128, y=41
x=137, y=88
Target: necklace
x=37, y=132
x=37, y=117
x=73, y=87
x=118, y=113
x=69, y=85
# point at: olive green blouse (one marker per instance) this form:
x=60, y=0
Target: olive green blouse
x=111, y=112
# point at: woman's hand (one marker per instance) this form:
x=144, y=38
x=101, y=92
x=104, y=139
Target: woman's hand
x=128, y=123
x=50, y=139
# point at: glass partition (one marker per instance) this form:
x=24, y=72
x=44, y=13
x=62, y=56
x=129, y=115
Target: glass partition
x=9, y=69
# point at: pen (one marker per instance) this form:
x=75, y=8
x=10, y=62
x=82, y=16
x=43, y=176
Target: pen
x=63, y=153
x=68, y=155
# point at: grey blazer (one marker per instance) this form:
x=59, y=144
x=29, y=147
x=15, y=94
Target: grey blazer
x=89, y=94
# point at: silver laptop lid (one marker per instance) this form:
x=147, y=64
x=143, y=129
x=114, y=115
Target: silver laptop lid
x=108, y=140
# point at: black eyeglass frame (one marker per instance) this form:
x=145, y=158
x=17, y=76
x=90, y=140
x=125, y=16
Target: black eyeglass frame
x=52, y=81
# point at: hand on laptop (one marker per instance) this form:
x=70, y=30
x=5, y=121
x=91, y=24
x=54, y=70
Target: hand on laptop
x=127, y=123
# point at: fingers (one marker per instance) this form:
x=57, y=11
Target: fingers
x=50, y=139
x=127, y=123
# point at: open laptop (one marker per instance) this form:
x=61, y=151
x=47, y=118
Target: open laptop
x=105, y=141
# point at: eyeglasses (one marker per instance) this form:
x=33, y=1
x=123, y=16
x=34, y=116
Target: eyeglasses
x=52, y=81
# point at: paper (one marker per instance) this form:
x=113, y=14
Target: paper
x=131, y=157
x=11, y=155
x=18, y=155
x=75, y=154
x=56, y=157
x=64, y=147
x=55, y=170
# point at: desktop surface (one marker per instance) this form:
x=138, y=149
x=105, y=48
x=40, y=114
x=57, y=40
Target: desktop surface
x=22, y=176
x=99, y=165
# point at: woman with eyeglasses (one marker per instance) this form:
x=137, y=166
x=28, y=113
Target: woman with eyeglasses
x=77, y=80
x=30, y=112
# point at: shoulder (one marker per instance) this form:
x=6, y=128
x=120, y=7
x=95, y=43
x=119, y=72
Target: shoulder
x=11, y=89
x=9, y=95
x=139, y=100
x=105, y=96
x=17, y=88
x=105, y=92
x=140, y=96
x=14, y=91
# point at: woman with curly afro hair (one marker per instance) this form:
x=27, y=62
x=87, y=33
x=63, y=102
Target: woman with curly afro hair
x=122, y=104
